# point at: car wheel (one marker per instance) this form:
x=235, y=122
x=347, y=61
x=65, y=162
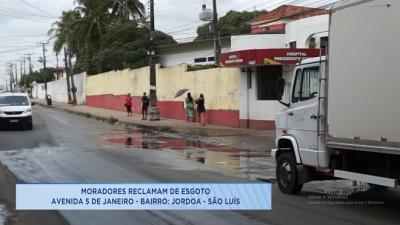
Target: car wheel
x=287, y=175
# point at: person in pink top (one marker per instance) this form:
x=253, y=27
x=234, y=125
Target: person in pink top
x=128, y=104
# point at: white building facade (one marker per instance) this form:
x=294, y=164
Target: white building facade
x=263, y=58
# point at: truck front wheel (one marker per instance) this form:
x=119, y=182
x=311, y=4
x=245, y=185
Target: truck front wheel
x=287, y=175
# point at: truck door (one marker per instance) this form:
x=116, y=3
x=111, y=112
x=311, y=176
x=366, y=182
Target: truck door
x=302, y=116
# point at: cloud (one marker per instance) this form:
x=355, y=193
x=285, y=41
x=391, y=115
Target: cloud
x=23, y=25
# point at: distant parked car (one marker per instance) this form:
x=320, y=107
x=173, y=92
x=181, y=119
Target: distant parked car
x=15, y=108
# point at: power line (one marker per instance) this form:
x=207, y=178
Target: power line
x=37, y=8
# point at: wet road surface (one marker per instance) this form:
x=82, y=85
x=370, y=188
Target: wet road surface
x=69, y=148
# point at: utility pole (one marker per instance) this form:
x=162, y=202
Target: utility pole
x=154, y=112
x=11, y=78
x=23, y=58
x=20, y=69
x=58, y=74
x=44, y=54
x=44, y=68
x=16, y=76
x=67, y=73
x=30, y=63
x=71, y=71
x=217, y=44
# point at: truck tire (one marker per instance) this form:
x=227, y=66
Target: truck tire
x=287, y=175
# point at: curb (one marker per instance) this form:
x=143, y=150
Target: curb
x=111, y=119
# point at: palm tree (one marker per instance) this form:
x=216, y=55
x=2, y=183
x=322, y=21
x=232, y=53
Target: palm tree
x=127, y=8
x=63, y=31
x=95, y=26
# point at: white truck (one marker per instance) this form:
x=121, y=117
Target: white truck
x=343, y=118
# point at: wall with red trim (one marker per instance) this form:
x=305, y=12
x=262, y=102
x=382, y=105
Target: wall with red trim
x=168, y=109
x=257, y=124
x=114, y=102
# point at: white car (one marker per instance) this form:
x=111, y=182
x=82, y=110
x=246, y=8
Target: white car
x=15, y=108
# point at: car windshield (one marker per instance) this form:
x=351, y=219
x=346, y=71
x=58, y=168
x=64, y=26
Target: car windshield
x=13, y=101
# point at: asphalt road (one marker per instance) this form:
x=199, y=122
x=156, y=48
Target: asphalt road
x=63, y=147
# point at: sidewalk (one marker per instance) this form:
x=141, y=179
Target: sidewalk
x=259, y=140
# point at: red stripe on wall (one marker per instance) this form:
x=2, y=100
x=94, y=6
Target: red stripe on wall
x=172, y=109
x=258, y=124
x=114, y=102
x=168, y=109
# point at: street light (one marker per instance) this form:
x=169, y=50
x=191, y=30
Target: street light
x=212, y=15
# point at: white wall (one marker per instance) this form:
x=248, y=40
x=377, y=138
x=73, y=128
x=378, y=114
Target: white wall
x=301, y=30
x=253, y=109
x=187, y=57
x=38, y=91
x=58, y=89
x=257, y=41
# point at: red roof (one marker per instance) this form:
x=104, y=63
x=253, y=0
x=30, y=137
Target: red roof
x=59, y=69
x=288, y=11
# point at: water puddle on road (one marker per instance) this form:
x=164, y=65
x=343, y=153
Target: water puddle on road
x=244, y=163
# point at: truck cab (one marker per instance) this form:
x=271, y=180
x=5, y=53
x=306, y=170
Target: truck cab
x=299, y=128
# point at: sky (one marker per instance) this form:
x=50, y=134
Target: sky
x=24, y=24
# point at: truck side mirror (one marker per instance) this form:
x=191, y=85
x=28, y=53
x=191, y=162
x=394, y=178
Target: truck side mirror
x=279, y=88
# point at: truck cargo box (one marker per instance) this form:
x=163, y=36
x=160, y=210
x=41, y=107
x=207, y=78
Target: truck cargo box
x=364, y=73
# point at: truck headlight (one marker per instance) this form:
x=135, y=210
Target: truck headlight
x=28, y=111
x=1, y=112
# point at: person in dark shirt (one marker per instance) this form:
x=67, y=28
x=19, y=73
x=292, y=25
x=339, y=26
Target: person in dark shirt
x=145, y=106
x=201, y=109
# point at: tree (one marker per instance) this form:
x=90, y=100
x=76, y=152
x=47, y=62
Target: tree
x=62, y=31
x=25, y=81
x=126, y=9
x=38, y=77
x=233, y=23
x=105, y=35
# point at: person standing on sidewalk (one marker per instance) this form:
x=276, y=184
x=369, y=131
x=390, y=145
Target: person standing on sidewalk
x=145, y=106
x=128, y=104
x=189, y=107
x=201, y=109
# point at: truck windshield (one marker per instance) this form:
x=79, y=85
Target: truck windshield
x=13, y=101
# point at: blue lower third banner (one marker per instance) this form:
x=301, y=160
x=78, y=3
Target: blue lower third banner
x=144, y=196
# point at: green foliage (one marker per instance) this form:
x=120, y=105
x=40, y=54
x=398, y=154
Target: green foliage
x=233, y=23
x=102, y=35
x=38, y=76
x=200, y=67
x=25, y=81
x=43, y=75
